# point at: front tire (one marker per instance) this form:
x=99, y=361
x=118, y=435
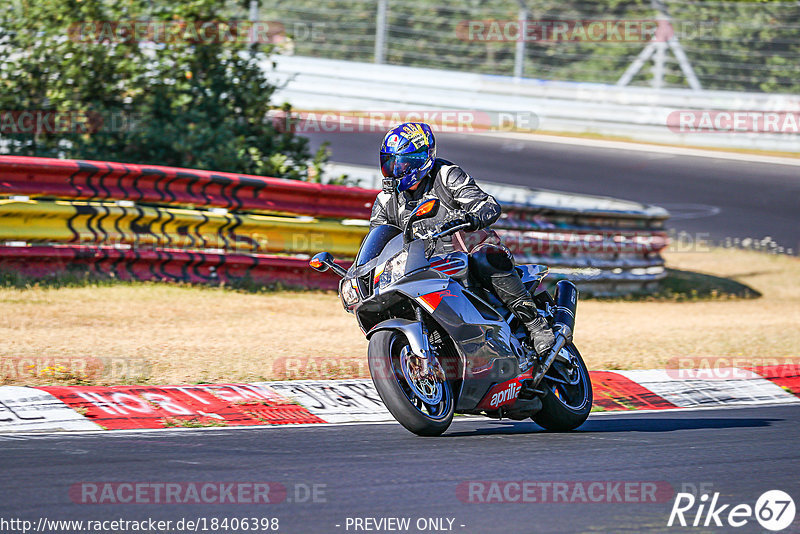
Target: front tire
x=386, y=348
x=566, y=407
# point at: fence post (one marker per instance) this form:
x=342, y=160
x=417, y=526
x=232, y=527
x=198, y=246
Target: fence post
x=380, y=31
x=519, y=53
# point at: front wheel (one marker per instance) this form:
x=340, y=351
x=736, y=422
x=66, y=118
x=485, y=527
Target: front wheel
x=420, y=403
x=568, y=398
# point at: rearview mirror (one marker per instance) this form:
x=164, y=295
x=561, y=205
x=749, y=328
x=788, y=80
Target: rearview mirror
x=323, y=261
x=426, y=210
x=320, y=261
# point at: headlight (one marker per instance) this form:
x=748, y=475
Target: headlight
x=393, y=270
x=349, y=293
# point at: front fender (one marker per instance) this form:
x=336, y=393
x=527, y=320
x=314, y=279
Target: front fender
x=411, y=329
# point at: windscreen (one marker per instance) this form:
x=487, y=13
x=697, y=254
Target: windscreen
x=375, y=242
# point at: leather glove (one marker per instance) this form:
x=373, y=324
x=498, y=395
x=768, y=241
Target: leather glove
x=463, y=218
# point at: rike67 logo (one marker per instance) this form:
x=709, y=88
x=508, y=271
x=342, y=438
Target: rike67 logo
x=774, y=510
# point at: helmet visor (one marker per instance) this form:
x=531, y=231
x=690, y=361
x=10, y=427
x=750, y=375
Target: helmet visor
x=398, y=165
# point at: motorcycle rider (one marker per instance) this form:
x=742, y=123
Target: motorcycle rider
x=412, y=174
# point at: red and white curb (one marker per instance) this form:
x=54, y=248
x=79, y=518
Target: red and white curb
x=49, y=408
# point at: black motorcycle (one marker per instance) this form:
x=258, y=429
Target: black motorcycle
x=441, y=344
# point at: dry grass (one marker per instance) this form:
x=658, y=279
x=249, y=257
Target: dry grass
x=646, y=335
x=157, y=333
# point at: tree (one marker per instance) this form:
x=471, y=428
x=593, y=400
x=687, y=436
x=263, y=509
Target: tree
x=194, y=99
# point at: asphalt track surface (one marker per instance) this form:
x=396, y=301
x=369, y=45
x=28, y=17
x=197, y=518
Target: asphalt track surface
x=716, y=197
x=380, y=470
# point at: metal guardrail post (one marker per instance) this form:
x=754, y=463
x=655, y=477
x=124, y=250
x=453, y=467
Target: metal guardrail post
x=519, y=53
x=380, y=31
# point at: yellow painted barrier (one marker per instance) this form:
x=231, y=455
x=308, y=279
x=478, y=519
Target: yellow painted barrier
x=110, y=224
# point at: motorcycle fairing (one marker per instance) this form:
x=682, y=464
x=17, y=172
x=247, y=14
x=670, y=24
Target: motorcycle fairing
x=504, y=394
x=487, y=347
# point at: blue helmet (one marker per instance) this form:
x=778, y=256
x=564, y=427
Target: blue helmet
x=407, y=153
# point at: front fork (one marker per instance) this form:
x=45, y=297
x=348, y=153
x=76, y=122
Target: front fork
x=428, y=361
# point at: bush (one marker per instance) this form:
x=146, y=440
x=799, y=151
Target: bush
x=188, y=104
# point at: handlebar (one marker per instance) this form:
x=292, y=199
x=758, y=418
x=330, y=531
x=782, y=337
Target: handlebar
x=450, y=231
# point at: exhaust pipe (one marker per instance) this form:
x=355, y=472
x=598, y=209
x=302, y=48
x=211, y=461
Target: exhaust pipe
x=566, y=303
x=564, y=324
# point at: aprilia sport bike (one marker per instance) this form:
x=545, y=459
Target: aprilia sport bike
x=441, y=344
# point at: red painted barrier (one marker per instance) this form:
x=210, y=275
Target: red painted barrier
x=45, y=177
x=165, y=265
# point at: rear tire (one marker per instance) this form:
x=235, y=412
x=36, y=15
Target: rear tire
x=384, y=351
x=565, y=409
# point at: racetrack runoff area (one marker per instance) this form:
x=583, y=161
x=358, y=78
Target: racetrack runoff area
x=147, y=333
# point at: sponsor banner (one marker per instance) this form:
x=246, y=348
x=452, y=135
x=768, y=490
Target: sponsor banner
x=121, y=407
x=23, y=409
x=750, y=388
x=613, y=391
x=336, y=401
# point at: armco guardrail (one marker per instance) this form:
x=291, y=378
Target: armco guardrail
x=635, y=112
x=199, y=226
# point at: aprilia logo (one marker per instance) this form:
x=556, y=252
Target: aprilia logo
x=504, y=396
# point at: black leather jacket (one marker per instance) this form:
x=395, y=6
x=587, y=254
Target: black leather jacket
x=455, y=189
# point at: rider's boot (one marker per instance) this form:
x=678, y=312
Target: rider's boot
x=512, y=293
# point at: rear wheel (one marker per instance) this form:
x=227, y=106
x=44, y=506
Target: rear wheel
x=568, y=398
x=420, y=403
